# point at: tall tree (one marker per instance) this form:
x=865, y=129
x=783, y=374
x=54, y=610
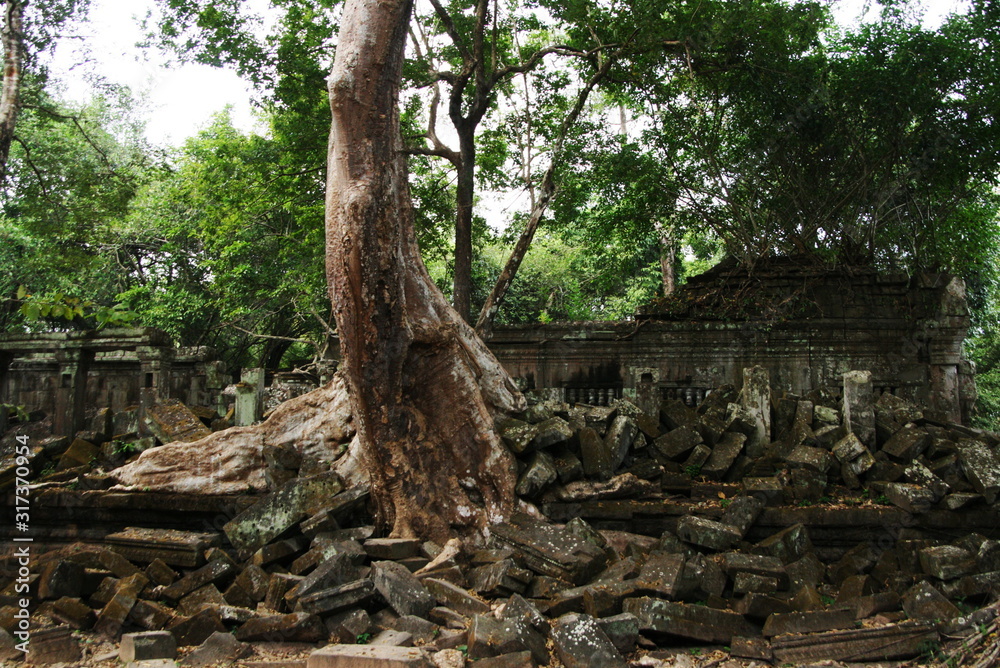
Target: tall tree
x=10, y=96
x=24, y=37
x=423, y=387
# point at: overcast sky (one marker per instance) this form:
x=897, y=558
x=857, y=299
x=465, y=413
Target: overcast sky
x=183, y=98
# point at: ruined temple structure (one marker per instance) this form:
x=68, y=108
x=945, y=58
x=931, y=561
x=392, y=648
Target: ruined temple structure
x=65, y=374
x=806, y=325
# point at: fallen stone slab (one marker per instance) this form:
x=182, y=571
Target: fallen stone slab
x=981, y=466
x=490, y=637
x=219, y=648
x=293, y=627
x=622, y=630
x=707, y=533
x=280, y=510
x=392, y=549
x=724, y=454
x=500, y=579
x=696, y=622
x=169, y=546
x=580, y=642
x=214, y=571
x=196, y=629
x=147, y=646
x=58, y=579
x=170, y=420
x=56, y=645
x=882, y=643
x=337, y=599
x=113, y=616
x=551, y=550
x=808, y=622
x=456, y=598
x=368, y=656
x=72, y=612
x=401, y=589
x=925, y=602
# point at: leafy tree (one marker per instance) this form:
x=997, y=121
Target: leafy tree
x=28, y=32
x=238, y=267
x=73, y=173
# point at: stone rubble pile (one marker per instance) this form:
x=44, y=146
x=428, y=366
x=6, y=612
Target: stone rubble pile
x=834, y=526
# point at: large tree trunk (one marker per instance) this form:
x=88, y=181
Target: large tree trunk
x=10, y=97
x=423, y=386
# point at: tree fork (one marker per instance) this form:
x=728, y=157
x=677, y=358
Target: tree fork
x=423, y=386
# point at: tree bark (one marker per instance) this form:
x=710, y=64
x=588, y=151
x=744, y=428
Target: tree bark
x=10, y=97
x=668, y=252
x=423, y=387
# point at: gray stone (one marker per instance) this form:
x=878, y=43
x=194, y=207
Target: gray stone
x=580, y=643
x=814, y=621
x=336, y=599
x=146, y=646
x=742, y=512
x=724, y=453
x=517, y=434
x=421, y=630
x=336, y=570
x=739, y=562
x=696, y=459
x=788, y=545
x=551, y=432
x=551, y=550
x=622, y=630
x=456, y=598
x=55, y=645
x=219, y=648
x=851, y=452
x=924, y=602
x=816, y=459
x=540, y=473
x=619, y=439
x=918, y=474
x=368, y=656
x=755, y=398
x=907, y=443
x=401, y=590
x=214, y=571
x=707, y=533
x=500, y=579
x=392, y=549
x=293, y=627
x=393, y=638
x=696, y=622
x=947, y=562
x=489, y=636
x=859, y=406
x=678, y=442
x=597, y=460
x=58, y=579
x=348, y=626
x=982, y=468
x=675, y=414
x=661, y=574
x=280, y=510
x=911, y=498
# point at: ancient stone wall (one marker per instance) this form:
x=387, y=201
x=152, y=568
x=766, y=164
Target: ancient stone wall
x=67, y=373
x=805, y=326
